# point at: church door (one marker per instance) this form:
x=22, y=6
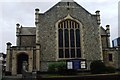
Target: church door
x=20, y=59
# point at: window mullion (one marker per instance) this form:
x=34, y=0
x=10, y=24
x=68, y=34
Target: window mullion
x=63, y=40
x=70, y=30
x=75, y=40
x=68, y=22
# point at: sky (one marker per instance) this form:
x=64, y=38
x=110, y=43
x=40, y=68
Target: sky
x=22, y=12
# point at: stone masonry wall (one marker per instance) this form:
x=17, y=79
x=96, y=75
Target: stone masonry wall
x=115, y=61
x=104, y=42
x=48, y=30
x=27, y=40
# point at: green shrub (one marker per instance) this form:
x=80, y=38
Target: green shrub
x=61, y=66
x=52, y=67
x=57, y=66
x=97, y=67
x=110, y=69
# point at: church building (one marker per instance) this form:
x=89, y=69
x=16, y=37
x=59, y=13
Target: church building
x=66, y=31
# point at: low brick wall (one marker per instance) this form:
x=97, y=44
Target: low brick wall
x=86, y=77
x=74, y=77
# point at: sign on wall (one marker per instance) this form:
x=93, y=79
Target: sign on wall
x=69, y=65
x=76, y=64
x=83, y=65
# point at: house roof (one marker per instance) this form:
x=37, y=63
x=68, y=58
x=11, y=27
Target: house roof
x=102, y=31
x=63, y=3
x=28, y=31
x=32, y=31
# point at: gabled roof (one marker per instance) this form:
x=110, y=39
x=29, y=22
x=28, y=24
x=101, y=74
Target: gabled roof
x=64, y=3
x=67, y=1
x=102, y=31
x=28, y=31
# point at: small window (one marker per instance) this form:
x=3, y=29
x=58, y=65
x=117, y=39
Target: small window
x=61, y=55
x=78, y=53
x=72, y=53
x=110, y=57
x=60, y=38
x=66, y=53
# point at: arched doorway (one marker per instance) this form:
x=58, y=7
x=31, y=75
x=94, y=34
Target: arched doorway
x=20, y=59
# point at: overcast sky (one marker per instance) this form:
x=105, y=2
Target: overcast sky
x=22, y=11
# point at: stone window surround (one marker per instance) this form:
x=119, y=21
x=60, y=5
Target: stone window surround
x=71, y=25
x=81, y=37
x=110, y=57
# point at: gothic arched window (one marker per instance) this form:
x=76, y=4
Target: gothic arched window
x=69, y=39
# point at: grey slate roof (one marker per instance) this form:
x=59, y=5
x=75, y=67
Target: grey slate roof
x=28, y=31
x=32, y=31
x=103, y=31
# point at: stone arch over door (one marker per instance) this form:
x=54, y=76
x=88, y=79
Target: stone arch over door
x=20, y=59
x=18, y=55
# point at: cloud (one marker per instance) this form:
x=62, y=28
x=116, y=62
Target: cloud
x=16, y=12
x=22, y=11
x=30, y=0
x=119, y=19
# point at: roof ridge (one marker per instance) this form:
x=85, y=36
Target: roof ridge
x=28, y=27
x=67, y=1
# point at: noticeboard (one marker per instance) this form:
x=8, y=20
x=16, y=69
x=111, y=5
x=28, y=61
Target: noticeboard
x=69, y=65
x=76, y=64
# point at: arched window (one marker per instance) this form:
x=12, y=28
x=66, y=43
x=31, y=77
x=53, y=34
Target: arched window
x=69, y=39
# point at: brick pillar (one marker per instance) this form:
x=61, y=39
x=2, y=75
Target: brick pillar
x=99, y=22
x=37, y=57
x=8, y=61
x=37, y=40
x=108, y=35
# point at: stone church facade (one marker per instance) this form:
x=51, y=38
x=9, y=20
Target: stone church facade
x=66, y=31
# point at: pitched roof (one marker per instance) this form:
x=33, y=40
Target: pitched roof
x=63, y=3
x=102, y=31
x=28, y=31
x=67, y=1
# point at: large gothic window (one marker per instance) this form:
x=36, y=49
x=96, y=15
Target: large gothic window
x=69, y=39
